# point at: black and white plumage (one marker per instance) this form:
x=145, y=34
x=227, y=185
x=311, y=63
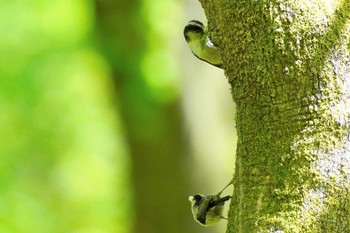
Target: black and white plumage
x=200, y=44
x=207, y=209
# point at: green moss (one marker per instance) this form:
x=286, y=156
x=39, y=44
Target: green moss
x=281, y=59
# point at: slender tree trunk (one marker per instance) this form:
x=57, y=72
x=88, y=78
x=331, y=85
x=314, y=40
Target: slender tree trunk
x=153, y=127
x=288, y=64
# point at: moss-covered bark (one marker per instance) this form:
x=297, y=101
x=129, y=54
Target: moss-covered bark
x=288, y=64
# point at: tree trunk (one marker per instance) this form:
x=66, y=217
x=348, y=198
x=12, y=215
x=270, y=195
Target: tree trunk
x=152, y=126
x=288, y=64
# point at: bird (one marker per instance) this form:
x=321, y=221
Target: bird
x=196, y=36
x=207, y=209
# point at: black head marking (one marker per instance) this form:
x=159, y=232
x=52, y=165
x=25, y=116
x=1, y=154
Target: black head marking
x=193, y=26
x=196, y=22
x=197, y=199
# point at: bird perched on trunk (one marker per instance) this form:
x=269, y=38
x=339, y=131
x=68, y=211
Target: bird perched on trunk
x=197, y=39
x=207, y=209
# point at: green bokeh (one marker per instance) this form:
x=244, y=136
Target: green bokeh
x=64, y=164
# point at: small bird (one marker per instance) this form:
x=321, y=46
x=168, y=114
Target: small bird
x=207, y=209
x=196, y=37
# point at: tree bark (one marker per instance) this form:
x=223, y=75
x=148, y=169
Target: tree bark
x=288, y=64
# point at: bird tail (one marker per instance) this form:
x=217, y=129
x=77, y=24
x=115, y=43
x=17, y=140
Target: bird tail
x=219, y=201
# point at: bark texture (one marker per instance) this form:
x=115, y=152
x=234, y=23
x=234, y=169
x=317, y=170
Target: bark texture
x=288, y=64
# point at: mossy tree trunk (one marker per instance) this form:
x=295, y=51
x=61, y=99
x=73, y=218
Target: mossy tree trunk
x=288, y=64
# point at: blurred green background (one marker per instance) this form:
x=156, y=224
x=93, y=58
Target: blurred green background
x=108, y=122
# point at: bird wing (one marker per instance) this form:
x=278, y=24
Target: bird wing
x=202, y=212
